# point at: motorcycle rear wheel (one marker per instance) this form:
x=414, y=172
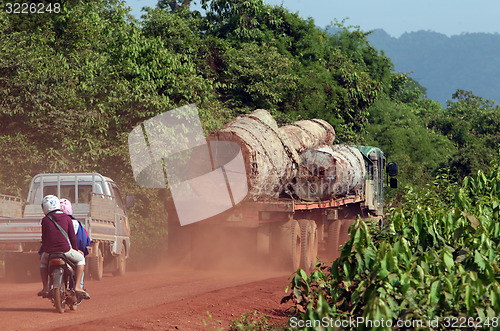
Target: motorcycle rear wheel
x=58, y=296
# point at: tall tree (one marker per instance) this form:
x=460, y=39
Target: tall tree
x=174, y=4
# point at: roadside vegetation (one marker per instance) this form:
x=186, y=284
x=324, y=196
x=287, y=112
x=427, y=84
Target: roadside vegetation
x=434, y=262
x=74, y=84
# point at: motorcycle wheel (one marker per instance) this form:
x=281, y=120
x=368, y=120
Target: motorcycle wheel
x=57, y=295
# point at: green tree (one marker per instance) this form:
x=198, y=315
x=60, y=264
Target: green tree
x=72, y=91
x=174, y=4
x=404, y=137
x=473, y=124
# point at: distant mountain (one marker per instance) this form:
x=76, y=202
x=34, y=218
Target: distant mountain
x=444, y=64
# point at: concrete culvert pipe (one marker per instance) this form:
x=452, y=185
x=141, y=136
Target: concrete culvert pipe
x=329, y=171
x=309, y=134
x=270, y=159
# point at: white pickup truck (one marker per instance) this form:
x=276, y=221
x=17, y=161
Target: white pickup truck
x=96, y=202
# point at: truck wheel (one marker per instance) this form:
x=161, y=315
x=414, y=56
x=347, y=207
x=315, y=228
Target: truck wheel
x=96, y=265
x=285, y=245
x=344, y=231
x=120, y=263
x=315, y=243
x=333, y=240
x=307, y=254
x=296, y=245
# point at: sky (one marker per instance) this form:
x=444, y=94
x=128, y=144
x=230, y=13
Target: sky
x=449, y=17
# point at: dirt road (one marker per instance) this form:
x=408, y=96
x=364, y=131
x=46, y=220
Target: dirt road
x=166, y=298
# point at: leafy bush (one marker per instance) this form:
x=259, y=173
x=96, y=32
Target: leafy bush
x=400, y=131
x=434, y=260
x=473, y=125
x=252, y=321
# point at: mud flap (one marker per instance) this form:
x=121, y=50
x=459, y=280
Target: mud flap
x=57, y=276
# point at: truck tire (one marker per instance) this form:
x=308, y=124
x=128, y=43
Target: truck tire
x=332, y=245
x=309, y=244
x=96, y=265
x=315, y=244
x=344, y=231
x=285, y=245
x=120, y=263
x=295, y=246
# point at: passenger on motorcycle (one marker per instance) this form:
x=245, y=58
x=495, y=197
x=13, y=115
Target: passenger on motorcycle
x=53, y=240
x=82, y=237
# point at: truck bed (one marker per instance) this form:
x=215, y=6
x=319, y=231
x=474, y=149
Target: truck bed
x=290, y=205
x=253, y=213
x=10, y=206
x=15, y=232
x=20, y=229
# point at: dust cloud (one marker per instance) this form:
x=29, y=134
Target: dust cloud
x=213, y=245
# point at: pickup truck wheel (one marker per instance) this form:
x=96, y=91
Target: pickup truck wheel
x=12, y=270
x=120, y=263
x=333, y=240
x=96, y=265
x=21, y=267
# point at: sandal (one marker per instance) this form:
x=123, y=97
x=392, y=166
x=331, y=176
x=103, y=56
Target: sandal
x=43, y=293
x=83, y=294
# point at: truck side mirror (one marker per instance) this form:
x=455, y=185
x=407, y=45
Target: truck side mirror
x=392, y=169
x=129, y=201
x=393, y=182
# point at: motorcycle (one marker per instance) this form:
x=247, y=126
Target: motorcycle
x=62, y=283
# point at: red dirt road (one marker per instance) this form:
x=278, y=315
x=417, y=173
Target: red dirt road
x=168, y=299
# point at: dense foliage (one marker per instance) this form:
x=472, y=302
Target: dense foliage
x=74, y=84
x=436, y=261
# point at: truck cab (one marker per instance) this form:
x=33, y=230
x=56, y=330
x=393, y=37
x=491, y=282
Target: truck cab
x=374, y=182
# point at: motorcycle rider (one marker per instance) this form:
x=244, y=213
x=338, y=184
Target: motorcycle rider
x=82, y=237
x=53, y=240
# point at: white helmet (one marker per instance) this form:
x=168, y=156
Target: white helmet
x=50, y=203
